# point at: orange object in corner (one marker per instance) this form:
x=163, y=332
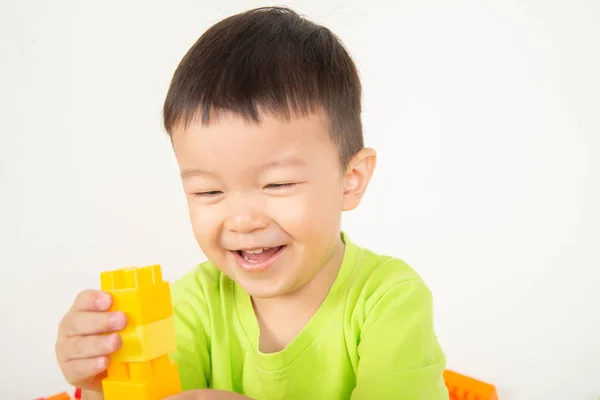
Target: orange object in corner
x=60, y=396
x=462, y=387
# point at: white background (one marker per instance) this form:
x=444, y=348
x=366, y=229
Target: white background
x=486, y=116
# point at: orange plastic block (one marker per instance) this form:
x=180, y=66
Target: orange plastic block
x=139, y=292
x=148, y=380
x=60, y=396
x=462, y=387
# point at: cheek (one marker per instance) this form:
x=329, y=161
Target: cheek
x=204, y=224
x=310, y=214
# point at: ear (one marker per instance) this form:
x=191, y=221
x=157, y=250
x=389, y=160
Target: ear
x=357, y=177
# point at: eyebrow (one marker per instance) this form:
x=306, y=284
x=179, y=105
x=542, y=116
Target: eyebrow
x=189, y=173
x=284, y=162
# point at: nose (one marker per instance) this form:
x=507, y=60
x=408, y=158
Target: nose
x=246, y=218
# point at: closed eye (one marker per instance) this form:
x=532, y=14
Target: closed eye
x=281, y=185
x=212, y=193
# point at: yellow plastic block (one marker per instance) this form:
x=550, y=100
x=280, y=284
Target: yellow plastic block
x=139, y=292
x=141, y=368
x=148, y=380
x=145, y=342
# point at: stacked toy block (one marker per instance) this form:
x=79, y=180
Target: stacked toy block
x=60, y=396
x=462, y=387
x=141, y=369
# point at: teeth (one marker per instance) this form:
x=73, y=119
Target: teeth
x=246, y=253
x=256, y=251
x=249, y=260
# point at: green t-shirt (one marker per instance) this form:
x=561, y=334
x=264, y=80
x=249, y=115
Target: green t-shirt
x=371, y=338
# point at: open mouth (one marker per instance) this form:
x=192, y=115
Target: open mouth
x=257, y=259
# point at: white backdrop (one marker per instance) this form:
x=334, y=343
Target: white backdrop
x=486, y=116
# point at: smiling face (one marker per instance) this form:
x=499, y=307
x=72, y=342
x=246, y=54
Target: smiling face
x=265, y=200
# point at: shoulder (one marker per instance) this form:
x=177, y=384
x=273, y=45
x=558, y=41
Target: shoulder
x=381, y=282
x=384, y=270
x=201, y=280
x=197, y=291
x=390, y=332
x=376, y=274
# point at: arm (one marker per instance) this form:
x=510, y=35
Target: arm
x=208, y=394
x=399, y=354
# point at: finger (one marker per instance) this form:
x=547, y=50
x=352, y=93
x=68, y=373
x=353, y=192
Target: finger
x=92, y=323
x=92, y=300
x=83, y=347
x=79, y=370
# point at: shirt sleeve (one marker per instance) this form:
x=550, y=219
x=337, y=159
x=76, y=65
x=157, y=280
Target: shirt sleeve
x=399, y=354
x=192, y=353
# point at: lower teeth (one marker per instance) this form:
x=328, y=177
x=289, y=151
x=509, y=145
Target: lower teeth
x=245, y=256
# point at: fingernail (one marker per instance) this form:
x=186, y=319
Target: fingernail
x=103, y=301
x=101, y=363
x=112, y=342
x=117, y=320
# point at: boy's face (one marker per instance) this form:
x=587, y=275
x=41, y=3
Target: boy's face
x=265, y=200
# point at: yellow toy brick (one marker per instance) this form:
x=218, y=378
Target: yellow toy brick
x=139, y=292
x=148, y=380
x=146, y=300
x=145, y=342
x=141, y=368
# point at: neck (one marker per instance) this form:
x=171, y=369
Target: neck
x=311, y=295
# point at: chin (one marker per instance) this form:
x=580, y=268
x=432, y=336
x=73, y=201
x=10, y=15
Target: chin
x=262, y=290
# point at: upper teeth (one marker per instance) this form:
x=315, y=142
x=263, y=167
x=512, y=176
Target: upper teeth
x=256, y=251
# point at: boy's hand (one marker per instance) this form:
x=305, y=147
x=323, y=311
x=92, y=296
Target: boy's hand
x=81, y=349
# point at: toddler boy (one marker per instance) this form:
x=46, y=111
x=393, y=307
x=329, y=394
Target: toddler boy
x=264, y=117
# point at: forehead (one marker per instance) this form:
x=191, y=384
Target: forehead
x=230, y=141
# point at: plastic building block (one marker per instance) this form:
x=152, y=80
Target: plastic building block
x=148, y=380
x=141, y=369
x=462, y=387
x=139, y=292
x=145, y=342
x=60, y=396
x=146, y=300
